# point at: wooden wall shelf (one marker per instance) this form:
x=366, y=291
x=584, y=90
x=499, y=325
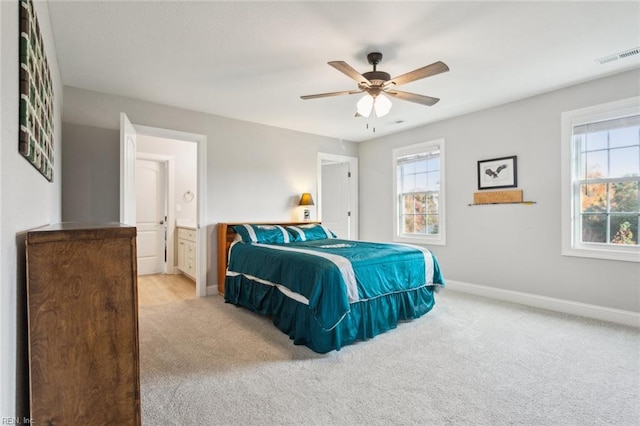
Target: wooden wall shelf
x=528, y=203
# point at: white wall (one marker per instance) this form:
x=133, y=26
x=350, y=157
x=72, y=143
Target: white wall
x=512, y=247
x=254, y=172
x=90, y=174
x=27, y=200
x=185, y=155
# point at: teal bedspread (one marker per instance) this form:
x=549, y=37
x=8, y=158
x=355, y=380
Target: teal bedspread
x=328, y=293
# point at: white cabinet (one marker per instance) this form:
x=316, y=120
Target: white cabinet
x=187, y=251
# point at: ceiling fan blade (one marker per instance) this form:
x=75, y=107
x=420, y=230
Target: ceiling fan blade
x=428, y=71
x=325, y=95
x=346, y=69
x=412, y=97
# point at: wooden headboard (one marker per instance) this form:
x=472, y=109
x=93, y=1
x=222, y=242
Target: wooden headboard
x=226, y=235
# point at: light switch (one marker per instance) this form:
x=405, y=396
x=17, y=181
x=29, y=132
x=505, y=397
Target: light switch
x=178, y=207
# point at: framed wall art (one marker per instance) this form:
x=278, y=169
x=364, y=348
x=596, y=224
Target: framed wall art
x=36, y=95
x=498, y=173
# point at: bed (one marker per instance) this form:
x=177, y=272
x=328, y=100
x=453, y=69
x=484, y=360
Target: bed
x=322, y=291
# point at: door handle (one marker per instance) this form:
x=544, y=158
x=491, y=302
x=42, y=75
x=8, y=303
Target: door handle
x=162, y=222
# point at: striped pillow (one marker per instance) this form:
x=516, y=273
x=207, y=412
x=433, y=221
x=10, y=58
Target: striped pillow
x=310, y=232
x=262, y=233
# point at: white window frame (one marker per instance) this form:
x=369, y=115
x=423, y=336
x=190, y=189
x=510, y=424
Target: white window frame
x=440, y=238
x=571, y=244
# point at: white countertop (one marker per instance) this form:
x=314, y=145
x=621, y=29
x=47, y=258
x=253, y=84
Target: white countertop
x=186, y=223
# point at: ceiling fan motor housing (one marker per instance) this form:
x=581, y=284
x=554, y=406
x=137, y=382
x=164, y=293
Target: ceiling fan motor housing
x=377, y=78
x=374, y=58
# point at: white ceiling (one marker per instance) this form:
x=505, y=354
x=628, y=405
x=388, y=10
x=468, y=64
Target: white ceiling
x=253, y=60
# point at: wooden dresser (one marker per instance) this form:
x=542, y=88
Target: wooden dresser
x=83, y=325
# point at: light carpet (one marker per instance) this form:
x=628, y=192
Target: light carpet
x=470, y=361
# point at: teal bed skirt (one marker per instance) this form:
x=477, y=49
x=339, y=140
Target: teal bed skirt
x=365, y=319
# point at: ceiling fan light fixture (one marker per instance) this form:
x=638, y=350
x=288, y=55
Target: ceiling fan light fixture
x=365, y=105
x=382, y=105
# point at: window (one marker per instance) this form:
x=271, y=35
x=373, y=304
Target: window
x=419, y=193
x=601, y=197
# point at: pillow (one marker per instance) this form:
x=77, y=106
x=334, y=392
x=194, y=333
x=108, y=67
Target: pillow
x=310, y=232
x=262, y=233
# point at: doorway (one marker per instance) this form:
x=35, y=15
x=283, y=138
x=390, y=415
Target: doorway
x=338, y=194
x=128, y=203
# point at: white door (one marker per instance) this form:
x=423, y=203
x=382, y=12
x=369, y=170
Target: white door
x=335, y=198
x=127, y=171
x=151, y=210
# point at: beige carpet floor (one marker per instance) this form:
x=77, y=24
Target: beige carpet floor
x=471, y=361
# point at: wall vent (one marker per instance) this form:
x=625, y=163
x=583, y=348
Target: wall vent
x=619, y=55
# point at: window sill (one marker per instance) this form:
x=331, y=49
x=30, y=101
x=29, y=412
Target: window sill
x=418, y=240
x=604, y=254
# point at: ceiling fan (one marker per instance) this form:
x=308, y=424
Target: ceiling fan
x=375, y=83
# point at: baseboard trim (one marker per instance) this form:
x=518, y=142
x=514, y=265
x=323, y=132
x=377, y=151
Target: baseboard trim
x=212, y=290
x=560, y=305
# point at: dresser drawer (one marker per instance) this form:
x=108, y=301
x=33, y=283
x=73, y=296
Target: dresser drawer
x=187, y=234
x=190, y=251
x=190, y=268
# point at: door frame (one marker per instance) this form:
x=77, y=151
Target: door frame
x=201, y=237
x=127, y=171
x=324, y=158
x=169, y=162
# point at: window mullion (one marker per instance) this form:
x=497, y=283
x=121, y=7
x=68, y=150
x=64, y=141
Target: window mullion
x=577, y=212
x=607, y=238
x=608, y=214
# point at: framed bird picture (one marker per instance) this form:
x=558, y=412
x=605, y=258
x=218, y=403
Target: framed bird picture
x=498, y=173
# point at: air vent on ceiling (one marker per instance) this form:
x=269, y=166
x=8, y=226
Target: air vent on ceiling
x=619, y=55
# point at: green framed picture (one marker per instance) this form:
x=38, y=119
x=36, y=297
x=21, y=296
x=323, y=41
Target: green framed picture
x=36, y=95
